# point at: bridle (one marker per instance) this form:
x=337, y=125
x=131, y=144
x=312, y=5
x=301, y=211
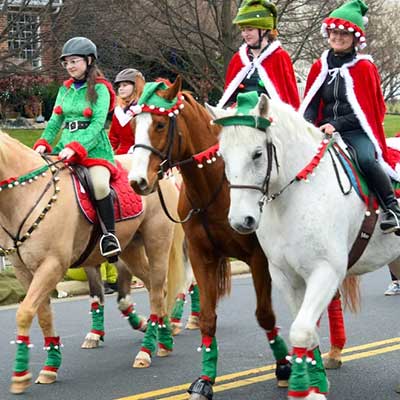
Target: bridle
x=264, y=187
x=167, y=164
x=254, y=122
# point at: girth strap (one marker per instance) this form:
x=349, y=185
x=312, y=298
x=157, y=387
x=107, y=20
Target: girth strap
x=364, y=234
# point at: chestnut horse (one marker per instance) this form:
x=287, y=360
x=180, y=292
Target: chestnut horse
x=165, y=139
x=42, y=243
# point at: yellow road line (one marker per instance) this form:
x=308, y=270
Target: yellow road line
x=260, y=378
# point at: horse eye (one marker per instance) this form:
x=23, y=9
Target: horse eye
x=257, y=154
x=160, y=126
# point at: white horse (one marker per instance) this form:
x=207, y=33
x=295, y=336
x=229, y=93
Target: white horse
x=305, y=230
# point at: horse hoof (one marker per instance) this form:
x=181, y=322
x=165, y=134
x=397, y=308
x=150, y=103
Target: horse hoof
x=92, y=341
x=176, y=328
x=20, y=384
x=142, y=360
x=193, y=323
x=46, y=377
x=283, y=384
x=90, y=344
x=161, y=352
x=332, y=363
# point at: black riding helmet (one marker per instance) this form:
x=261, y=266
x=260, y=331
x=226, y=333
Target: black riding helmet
x=79, y=46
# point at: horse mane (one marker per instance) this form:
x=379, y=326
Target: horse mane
x=292, y=121
x=202, y=112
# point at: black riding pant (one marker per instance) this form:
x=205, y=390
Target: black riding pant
x=363, y=152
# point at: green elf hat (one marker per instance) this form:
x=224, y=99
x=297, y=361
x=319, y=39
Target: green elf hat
x=153, y=103
x=260, y=14
x=245, y=103
x=351, y=17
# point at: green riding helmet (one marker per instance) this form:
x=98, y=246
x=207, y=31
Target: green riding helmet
x=128, y=75
x=79, y=46
x=259, y=14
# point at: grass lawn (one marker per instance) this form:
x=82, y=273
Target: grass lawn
x=29, y=137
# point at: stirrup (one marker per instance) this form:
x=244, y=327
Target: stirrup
x=114, y=251
x=394, y=228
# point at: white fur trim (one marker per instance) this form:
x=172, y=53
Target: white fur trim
x=247, y=67
x=352, y=98
x=122, y=117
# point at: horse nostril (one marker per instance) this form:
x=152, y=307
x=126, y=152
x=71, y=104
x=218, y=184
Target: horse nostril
x=142, y=183
x=249, y=222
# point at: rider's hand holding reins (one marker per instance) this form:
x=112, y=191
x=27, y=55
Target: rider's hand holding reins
x=66, y=153
x=328, y=129
x=41, y=149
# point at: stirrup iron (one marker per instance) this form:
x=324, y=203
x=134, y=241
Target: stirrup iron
x=114, y=252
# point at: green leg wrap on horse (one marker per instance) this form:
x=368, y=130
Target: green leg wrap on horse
x=318, y=380
x=53, y=347
x=195, y=299
x=165, y=334
x=21, y=362
x=97, y=312
x=279, y=348
x=177, y=311
x=210, y=357
x=134, y=320
x=149, y=342
x=299, y=381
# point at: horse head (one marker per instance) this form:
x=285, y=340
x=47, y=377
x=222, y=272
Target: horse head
x=251, y=143
x=156, y=136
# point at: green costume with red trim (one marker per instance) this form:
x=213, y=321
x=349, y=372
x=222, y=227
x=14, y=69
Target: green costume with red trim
x=91, y=145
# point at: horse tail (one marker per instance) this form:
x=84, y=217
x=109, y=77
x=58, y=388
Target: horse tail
x=350, y=290
x=176, y=269
x=223, y=277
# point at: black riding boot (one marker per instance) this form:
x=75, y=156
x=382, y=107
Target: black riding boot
x=109, y=244
x=380, y=182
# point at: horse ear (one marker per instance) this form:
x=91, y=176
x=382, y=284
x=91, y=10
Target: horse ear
x=216, y=112
x=172, y=91
x=139, y=85
x=263, y=106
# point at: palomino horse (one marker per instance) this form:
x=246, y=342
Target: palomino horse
x=176, y=139
x=313, y=225
x=42, y=243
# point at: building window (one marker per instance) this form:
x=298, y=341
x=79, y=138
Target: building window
x=23, y=37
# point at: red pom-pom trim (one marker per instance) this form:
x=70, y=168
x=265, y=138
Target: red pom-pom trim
x=87, y=112
x=58, y=110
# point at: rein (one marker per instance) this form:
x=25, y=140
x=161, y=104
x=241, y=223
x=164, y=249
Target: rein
x=18, y=240
x=325, y=146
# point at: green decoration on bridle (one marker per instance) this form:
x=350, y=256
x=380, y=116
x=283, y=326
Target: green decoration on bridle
x=245, y=103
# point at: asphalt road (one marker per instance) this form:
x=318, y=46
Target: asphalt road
x=370, y=372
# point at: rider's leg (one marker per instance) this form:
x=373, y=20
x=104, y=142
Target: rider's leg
x=109, y=244
x=377, y=179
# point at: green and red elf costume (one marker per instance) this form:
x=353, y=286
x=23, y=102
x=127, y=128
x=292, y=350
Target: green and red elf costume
x=274, y=68
x=90, y=143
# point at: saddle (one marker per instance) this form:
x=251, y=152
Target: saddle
x=127, y=204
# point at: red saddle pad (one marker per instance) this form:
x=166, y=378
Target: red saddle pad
x=127, y=204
